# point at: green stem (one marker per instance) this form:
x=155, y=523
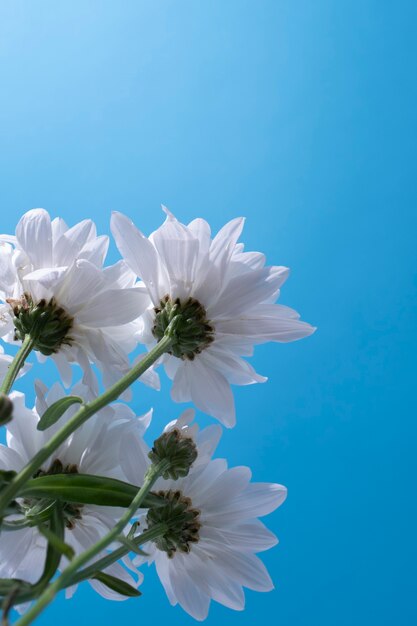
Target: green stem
x=64, y=580
x=17, y=364
x=82, y=415
x=101, y=564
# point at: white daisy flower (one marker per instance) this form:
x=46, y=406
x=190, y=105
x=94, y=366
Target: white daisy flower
x=92, y=449
x=209, y=551
x=54, y=273
x=226, y=297
x=135, y=451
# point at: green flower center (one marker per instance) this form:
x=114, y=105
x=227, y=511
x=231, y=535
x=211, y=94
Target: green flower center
x=46, y=322
x=182, y=520
x=193, y=331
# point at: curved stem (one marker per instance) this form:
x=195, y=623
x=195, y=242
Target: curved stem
x=49, y=594
x=82, y=415
x=17, y=364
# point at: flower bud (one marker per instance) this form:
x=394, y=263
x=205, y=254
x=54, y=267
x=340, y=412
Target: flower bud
x=180, y=451
x=6, y=409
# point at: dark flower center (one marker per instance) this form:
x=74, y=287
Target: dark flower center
x=182, y=520
x=193, y=331
x=46, y=322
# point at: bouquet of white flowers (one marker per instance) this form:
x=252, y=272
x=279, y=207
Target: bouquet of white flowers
x=82, y=496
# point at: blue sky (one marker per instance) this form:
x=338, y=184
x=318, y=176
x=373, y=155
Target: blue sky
x=302, y=117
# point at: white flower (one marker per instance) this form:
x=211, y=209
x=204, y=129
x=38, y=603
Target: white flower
x=228, y=295
x=212, y=555
x=92, y=309
x=92, y=449
x=134, y=451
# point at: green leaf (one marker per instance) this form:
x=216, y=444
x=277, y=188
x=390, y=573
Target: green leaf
x=85, y=489
x=57, y=410
x=120, y=586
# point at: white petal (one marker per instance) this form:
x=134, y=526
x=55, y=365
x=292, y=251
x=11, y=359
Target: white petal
x=71, y=242
x=113, y=307
x=120, y=275
x=244, y=568
x=180, y=390
x=10, y=459
x=211, y=392
x=138, y=252
x=261, y=330
x=42, y=283
x=34, y=236
x=257, y=500
x=80, y=281
x=226, y=487
x=95, y=250
x=189, y=596
x=179, y=249
x=234, y=369
x=246, y=291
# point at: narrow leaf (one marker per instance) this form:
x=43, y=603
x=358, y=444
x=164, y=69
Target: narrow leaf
x=57, y=410
x=86, y=489
x=115, y=584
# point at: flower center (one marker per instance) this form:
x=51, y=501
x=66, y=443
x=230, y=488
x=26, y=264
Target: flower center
x=46, y=322
x=182, y=520
x=193, y=330
x=71, y=510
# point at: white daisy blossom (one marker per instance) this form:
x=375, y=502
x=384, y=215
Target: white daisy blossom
x=60, y=269
x=92, y=449
x=134, y=459
x=227, y=293
x=213, y=555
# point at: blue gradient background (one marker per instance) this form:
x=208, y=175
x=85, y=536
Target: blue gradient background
x=301, y=116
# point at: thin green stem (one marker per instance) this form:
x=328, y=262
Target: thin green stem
x=49, y=594
x=17, y=364
x=82, y=415
x=101, y=564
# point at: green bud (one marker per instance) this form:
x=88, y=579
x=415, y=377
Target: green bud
x=6, y=409
x=182, y=521
x=181, y=452
x=193, y=332
x=47, y=323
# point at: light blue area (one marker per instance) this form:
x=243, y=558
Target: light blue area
x=301, y=116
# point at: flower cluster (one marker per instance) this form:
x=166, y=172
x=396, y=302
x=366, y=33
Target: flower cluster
x=82, y=495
